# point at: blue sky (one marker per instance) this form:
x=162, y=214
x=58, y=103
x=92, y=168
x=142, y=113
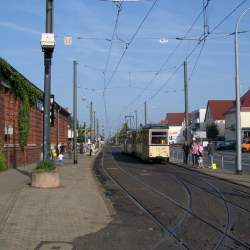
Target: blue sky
x=22, y=22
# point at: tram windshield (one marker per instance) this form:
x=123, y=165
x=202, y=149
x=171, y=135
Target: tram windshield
x=159, y=138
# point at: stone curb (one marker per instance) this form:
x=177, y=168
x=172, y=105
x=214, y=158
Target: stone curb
x=101, y=188
x=211, y=175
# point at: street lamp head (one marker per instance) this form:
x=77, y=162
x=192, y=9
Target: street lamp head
x=48, y=41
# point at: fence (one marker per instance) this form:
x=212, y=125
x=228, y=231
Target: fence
x=177, y=156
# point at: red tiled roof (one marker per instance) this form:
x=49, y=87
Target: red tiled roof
x=163, y=122
x=219, y=107
x=175, y=119
x=245, y=100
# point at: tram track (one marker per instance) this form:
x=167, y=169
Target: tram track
x=165, y=230
x=212, y=193
x=188, y=211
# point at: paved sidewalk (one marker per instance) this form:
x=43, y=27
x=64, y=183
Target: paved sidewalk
x=227, y=175
x=33, y=218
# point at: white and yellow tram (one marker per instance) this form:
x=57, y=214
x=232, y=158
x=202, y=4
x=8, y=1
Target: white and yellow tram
x=149, y=143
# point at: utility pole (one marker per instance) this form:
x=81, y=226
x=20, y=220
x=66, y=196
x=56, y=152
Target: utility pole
x=91, y=119
x=97, y=129
x=145, y=112
x=136, y=119
x=103, y=133
x=75, y=109
x=48, y=44
x=237, y=95
x=94, y=125
x=186, y=102
x=85, y=128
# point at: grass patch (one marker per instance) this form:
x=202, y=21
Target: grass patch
x=45, y=166
x=3, y=166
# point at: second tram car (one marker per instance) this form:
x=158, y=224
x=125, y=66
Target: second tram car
x=149, y=143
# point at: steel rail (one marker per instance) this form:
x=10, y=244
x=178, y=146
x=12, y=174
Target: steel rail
x=195, y=215
x=212, y=193
x=165, y=230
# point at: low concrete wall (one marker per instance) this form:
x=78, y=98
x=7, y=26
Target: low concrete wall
x=45, y=180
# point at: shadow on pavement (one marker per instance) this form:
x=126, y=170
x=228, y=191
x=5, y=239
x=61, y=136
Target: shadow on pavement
x=55, y=245
x=118, y=236
x=23, y=172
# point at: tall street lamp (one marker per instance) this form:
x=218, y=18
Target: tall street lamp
x=47, y=44
x=237, y=88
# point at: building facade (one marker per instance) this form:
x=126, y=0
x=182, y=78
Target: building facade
x=176, y=123
x=230, y=119
x=12, y=129
x=215, y=113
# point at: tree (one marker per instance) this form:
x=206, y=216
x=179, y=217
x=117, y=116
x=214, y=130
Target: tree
x=212, y=131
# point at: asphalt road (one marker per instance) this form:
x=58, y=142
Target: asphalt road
x=162, y=206
x=223, y=158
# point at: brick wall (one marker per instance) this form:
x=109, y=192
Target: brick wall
x=1, y=117
x=9, y=108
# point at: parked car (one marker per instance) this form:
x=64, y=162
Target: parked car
x=226, y=146
x=245, y=146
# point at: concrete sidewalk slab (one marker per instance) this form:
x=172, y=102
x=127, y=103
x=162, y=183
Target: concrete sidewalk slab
x=53, y=218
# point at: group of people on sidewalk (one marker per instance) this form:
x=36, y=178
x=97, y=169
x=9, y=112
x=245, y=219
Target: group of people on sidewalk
x=57, y=153
x=197, y=151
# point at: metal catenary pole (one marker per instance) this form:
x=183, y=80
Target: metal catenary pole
x=48, y=52
x=136, y=120
x=85, y=128
x=237, y=90
x=75, y=109
x=186, y=102
x=94, y=137
x=145, y=112
x=91, y=119
x=97, y=128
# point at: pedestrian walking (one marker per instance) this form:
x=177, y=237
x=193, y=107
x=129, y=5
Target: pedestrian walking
x=186, y=149
x=200, y=155
x=194, y=151
x=62, y=149
x=210, y=151
x=90, y=149
x=60, y=159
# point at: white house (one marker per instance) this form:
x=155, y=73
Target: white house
x=215, y=113
x=198, y=120
x=230, y=119
x=176, y=122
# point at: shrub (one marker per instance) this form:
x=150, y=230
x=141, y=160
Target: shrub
x=3, y=166
x=212, y=131
x=45, y=166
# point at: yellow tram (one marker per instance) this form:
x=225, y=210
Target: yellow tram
x=149, y=143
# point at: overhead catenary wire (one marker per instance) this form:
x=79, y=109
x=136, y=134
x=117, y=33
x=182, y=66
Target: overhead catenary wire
x=106, y=84
x=192, y=51
x=119, y=6
x=197, y=60
x=163, y=65
x=129, y=43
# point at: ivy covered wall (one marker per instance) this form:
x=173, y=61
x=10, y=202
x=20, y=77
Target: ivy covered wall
x=26, y=92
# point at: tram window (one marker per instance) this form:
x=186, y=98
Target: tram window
x=159, y=138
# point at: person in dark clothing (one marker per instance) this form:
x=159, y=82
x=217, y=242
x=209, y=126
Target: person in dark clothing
x=62, y=149
x=186, y=149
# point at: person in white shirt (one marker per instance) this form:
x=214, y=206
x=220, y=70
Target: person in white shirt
x=60, y=158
